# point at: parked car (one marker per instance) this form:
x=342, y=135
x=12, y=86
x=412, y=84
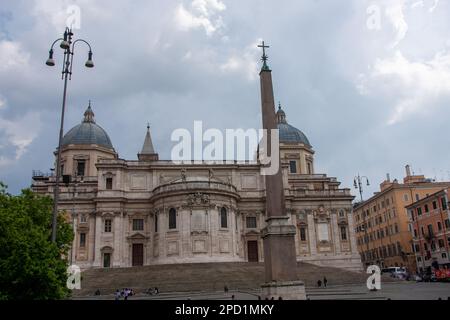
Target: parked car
x=396, y=272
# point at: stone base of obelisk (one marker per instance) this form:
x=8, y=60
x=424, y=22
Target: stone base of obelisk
x=280, y=261
x=286, y=290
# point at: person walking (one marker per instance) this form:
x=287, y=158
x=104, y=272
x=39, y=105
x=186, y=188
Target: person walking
x=325, y=281
x=319, y=283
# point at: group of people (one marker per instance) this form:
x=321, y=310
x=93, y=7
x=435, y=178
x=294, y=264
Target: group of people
x=152, y=291
x=124, y=293
x=325, y=282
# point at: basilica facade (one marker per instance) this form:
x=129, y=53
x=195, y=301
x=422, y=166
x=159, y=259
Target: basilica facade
x=149, y=211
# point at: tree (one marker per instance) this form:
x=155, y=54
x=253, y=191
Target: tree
x=31, y=266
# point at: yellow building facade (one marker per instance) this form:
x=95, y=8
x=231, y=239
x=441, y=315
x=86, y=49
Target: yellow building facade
x=382, y=229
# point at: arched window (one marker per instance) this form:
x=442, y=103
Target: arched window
x=172, y=218
x=223, y=218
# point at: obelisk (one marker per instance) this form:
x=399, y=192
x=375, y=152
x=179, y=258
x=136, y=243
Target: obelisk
x=278, y=235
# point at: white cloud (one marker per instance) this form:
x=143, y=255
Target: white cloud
x=203, y=14
x=416, y=84
x=19, y=134
x=245, y=62
x=397, y=18
x=12, y=56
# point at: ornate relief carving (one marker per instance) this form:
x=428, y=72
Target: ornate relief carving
x=198, y=198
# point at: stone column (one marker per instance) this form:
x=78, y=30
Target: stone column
x=98, y=231
x=279, y=235
x=336, y=233
x=312, y=234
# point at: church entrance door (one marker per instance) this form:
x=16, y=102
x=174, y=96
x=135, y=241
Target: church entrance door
x=252, y=251
x=138, y=254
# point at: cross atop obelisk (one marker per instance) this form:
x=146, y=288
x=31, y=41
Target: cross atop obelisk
x=264, y=57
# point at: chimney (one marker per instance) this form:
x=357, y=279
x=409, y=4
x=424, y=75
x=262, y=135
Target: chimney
x=388, y=177
x=408, y=170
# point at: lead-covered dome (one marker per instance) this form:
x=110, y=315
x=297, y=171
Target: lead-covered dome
x=288, y=133
x=88, y=132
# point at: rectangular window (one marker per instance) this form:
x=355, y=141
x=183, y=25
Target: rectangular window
x=441, y=243
x=302, y=234
x=108, y=225
x=439, y=225
x=251, y=222
x=430, y=229
x=138, y=224
x=81, y=168
x=156, y=223
x=434, y=205
x=417, y=197
x=82, y=240
x=444, y=203
x=447, y=224
x=426, y=208
x=343, y=233
x=293, y=166
x=109, y=183
x=419, y=211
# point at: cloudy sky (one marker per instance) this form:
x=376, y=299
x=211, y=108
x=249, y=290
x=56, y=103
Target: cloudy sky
x=368, y=82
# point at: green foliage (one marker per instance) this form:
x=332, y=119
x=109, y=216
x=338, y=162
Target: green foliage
x=31, y=266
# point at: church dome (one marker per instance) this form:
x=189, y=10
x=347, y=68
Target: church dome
x=88, y=132
x=288, y=133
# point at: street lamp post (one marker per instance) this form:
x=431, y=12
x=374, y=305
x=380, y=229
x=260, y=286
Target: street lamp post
x=68, y=45
x=358, y=182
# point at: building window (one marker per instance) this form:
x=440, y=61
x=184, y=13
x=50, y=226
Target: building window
x=138, y=224
x=405, y=197
x=439, y=225
x=417, y=197
x=223, y=218
x=82, y=240
x=430, y=229
x=81, y=165
x=447, y=224
x=83, y=219
x=309, y=168
x=434, y=205
x=444, y=255
x=109, y=183
x=172, y=218
x=250, y=222
x=302, y=234
x=444, y=203
x=156, y=223
x=293, y=166
x=419, y=211
x=341, y=214
x=396, y=228
x=441, y=243
x=343, y=233
x=108, y=225
x=426, y=208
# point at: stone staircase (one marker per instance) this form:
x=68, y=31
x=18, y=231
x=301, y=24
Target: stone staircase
x=205, y=277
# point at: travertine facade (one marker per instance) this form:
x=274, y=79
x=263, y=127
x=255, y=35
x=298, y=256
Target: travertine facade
x=149, y=211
